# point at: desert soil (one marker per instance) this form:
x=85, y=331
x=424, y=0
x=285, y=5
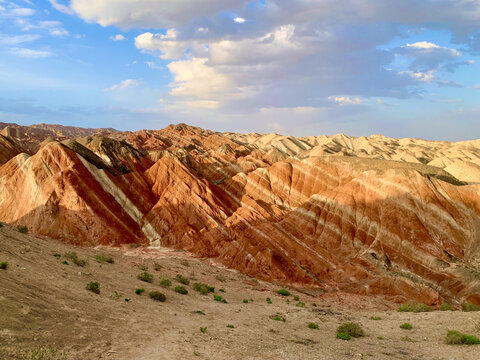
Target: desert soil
x=44, y=302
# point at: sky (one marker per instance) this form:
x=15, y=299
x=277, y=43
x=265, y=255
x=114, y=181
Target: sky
x=402, y=68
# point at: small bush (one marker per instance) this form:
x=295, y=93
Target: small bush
x=157, y=267
x=143, y=267
x=470, y=307
x=4, y=265
x=296, y=298
x=221, y=290
x=139, y=291
x=23, y=229
x=1, y=224
x=414, y=308
x=203, y=288
x=380, y=337
x=57, y=256
x=157, y=296
x=181, y=290
x=65, y=262
x=127, y=299
x=182, y=279
x=45, y=353
x=102, y=258
x=343, y=336
x=145, y=276
x=203, y=329
x=74, y=257
x=245, y=301
x=445, y=307
x=351, y=328
x=312, y=325
x=375, y=318
x=198, y=312
x=277, y=318
x=219, y=299
x=185, y=263
x=93, y=287
x=165, y=283
x=454, y=337
x=406, y=326
x=268, y=300
x=230, y=326
x=283, y=292
x=300, y=304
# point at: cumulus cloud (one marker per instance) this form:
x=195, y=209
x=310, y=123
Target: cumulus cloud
x=123, y=85
x=239, y=20
x=345, y=100
x=118, y=37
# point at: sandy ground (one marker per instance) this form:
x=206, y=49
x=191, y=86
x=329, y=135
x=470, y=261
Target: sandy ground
x=44, y=302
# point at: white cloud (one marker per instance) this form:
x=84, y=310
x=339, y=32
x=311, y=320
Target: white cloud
x=123, y=85
x=61, y=7
x=345, y=100
x=419, y=75
x=54, y=28
x=152, y=65
x=239, y=20
x=423, y=45
x=118, y=37
x=17, y=39
x=30, y=53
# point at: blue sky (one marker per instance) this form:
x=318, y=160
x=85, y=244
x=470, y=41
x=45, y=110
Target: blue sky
x=405, y=68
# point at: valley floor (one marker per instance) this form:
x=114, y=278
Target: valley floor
x=44, y=302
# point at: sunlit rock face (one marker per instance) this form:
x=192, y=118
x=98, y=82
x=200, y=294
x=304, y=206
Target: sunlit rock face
x=374, y=216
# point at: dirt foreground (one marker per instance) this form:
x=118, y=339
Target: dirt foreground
x=44, y=302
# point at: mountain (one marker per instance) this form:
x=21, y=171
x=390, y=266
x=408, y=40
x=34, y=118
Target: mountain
x=368, y=215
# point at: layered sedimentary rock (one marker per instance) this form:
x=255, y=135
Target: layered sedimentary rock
x=398, y=217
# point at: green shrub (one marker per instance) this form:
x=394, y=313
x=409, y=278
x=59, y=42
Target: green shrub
x=127, y=299
x=219, y=299
x=181, y=290
x=406, y=326
x=23, y=229
x=74, y=257
x=4, y=265
x=277, y=318
x=300, y=304
x=157, y=267
x=454, y=337
x=230, y=326
x=143, y=267
x=414, y=308
x=380, y=337
x=1, y=224
x=245, y=301
x=375, y=318
x=268, y=300
x=93, y=287
x=351, y=328
x=343, y=336
x=203, y=288
x=296, y=298
x=65, y=262
x=145, y=276
x=203, y=329
x=221, y=290
x=198, y=312
x=165, y=283
x=182, y=279
x=45, y=353
x=445, y=307
x=312, y=325
x=283, y=292
x=157, y=296
x=139, y=291
x=102, y=258
x=470, y=307
x=58, y=256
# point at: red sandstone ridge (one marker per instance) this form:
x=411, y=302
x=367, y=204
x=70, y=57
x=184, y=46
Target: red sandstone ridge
x=398, y=217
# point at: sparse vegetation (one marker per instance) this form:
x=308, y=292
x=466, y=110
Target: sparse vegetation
x=45, y=353
x=445, y=307
x=203, y=288
x=220, y=278
x=268, y=300
x=198, y=312
x=300, y=304
x=380, y=337
x=139, y=291
x=470, y=307
x=72, y=255
x=4, y=265
x=1, y=224
x=221, y=290
x=157, y=267
x=343, y=336
x=157, y=296
x=143, y=267
x=375, y=318
x=283, y=292
x=312, y=325
x=454, y=337
x=219, y=299
x=182, y=279
x=185, y=263
x=65, y=262
x=296, y=297
x=93, y=287
x=22, y=229
x=245, y=301
x=102, y=258
x=58, y=256
x=351, y=328
x=203, y=329
x=230, y=326
x=165, y=283
x=277, y=318
x=145, y=276
x=181, y=290
x=406, y=326
x=414, y=308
